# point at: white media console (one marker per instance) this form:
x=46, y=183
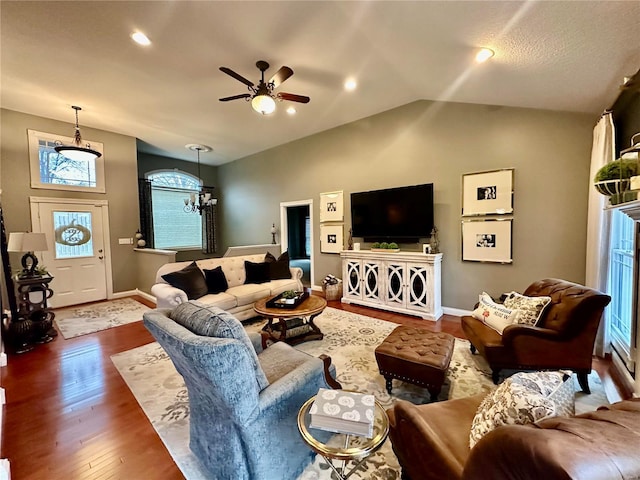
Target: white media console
x=404, y=282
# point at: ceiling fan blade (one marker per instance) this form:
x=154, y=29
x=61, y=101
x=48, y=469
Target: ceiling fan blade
x=292, y=97
x=280, y=76
x=235, y=97
x=237, y=76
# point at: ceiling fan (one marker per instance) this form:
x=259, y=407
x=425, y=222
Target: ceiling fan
x=262, y=97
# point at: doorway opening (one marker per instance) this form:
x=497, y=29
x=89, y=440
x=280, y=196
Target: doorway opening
x=296, y=225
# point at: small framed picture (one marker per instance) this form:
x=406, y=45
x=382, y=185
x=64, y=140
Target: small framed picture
x=426, y=248
x=487, y=240
x=331, y=207
x=487, y=193
x=331, y=238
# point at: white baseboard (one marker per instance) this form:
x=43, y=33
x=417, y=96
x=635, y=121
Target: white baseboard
x=316, y=288
x=127, y=293
x=131, y=293
x=458, y=312
x=3, y=359
x=146, y=296
x=5, y=469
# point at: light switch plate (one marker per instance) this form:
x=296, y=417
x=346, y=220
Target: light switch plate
x=125, y=241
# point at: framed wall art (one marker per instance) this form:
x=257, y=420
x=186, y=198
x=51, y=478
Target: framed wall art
x=331, y=238
x=487, y=240
x=331, y=207
x=487, y=193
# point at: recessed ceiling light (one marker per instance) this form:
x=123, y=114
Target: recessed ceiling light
x=484, y=54
x=350, y=85
x=291, y=111
x=141, y=39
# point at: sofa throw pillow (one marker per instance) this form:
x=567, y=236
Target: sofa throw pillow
x=190, y=280
x=278, y=269
x=209, y=321
x=509, y=404
x=557, y=386
x=493, y=314
x=216, y=280
x=523, y=398
x=529, y=308
x=256, y=272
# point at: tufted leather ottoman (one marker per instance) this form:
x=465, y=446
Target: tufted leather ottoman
x=416, y=356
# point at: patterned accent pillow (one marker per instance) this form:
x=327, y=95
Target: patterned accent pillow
x=524, y=398
x=211, y=321
x=556, y=386
x=529, y=308
x=493, y=314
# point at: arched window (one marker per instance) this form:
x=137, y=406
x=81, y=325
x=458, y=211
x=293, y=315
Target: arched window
x=172, y=226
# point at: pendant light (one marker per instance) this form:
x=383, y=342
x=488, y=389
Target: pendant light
x=77, y=151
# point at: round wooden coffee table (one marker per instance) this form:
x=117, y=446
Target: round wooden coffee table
x=292, y=325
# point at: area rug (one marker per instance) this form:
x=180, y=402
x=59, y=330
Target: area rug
x=350, y=340
x=81, y=320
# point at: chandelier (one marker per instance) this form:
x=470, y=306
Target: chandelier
x=203, y=200
x=78, y=151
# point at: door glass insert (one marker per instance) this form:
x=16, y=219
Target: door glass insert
x=72, y=234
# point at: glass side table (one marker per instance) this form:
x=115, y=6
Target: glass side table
x=341, y=447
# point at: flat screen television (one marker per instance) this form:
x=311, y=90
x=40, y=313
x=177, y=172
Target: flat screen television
x=394, y=214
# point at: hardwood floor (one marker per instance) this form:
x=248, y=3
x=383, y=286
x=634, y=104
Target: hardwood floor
x=69, y=414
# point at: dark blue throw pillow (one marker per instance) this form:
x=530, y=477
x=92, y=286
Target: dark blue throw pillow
x=216, y=280
x=278, y=269
x=190, y=280
x=256, y=272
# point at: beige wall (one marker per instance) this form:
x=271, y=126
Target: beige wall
x=427, y=142
x=121, y=185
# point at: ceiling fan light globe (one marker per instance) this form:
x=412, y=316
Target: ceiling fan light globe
x=263, y=104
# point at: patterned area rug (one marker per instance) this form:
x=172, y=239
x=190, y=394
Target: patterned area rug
x=350, y=340
x=82, y=320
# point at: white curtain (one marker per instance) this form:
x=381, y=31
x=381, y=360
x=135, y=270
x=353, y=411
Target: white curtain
x=597, y=261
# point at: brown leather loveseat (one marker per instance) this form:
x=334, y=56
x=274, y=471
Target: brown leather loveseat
x=562, y=339
x=432, y=442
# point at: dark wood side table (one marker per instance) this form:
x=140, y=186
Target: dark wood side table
x=292, y=325
x=34, y=323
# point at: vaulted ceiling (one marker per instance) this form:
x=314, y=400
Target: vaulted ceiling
x=569, y=56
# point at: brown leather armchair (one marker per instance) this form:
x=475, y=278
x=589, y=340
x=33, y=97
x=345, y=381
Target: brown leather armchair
x=563, y=338
x=432, y=443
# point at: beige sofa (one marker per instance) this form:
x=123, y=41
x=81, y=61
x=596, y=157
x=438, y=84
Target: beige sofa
x=239, y=298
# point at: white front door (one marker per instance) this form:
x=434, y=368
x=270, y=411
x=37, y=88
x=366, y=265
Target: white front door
x=76, y=255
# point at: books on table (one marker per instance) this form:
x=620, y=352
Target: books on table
x=341, y=411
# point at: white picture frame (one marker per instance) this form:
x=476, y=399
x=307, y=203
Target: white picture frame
x=331, y=207
x=331, y=238
x=488, y=193
x=487, y=240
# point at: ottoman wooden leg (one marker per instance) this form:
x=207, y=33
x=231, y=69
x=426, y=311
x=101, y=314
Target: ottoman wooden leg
x=389, y=386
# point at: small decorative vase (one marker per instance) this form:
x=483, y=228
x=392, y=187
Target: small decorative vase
x=350, y=241
x=434, y=242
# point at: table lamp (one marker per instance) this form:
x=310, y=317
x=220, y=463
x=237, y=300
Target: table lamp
x=27, y=242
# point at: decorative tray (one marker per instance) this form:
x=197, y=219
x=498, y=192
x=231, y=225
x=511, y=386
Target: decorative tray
x=386, y=250
x=279, y=302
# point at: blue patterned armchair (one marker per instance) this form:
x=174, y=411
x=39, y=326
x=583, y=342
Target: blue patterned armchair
x=243, y=399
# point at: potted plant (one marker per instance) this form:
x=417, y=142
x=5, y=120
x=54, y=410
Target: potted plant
x=613, y=179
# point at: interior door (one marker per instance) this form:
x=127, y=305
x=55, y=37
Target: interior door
x=76, y=254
